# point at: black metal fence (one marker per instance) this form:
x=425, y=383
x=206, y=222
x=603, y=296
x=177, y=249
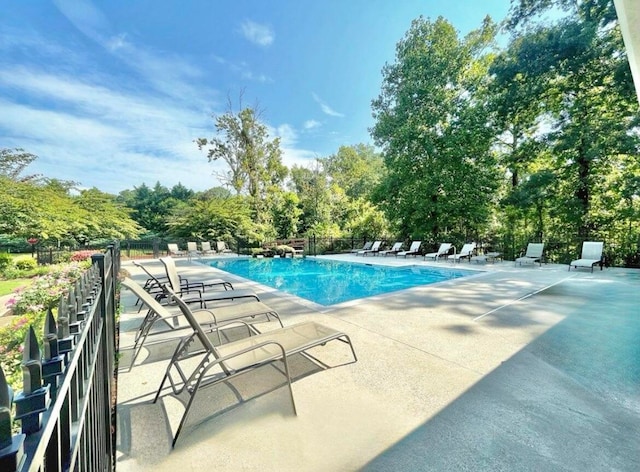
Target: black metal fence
x=66, y=408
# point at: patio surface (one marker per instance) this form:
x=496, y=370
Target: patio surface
x=518, y=368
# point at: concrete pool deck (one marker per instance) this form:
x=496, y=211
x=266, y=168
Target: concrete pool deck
x=518, y=368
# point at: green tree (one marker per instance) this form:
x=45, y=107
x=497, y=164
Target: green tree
x=14, y=161
x=215, y=218
x=590, y=105
x=356, y=169
x=431, y=123
x=104, y=217
x=254, y=161
x=152, y=206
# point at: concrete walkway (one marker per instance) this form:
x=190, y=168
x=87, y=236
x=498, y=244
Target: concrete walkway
x=514, y=369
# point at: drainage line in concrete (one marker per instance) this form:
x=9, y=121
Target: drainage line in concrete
x=523, y=298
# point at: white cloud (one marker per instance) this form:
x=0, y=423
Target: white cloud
x=287, y=135
x=103, y=137
x=261, y=35
x=311, y=124
x=326, y=109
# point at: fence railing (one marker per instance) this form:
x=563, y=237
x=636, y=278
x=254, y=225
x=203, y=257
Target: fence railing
x=66, y=408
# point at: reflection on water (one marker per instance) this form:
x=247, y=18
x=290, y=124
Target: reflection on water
x=331, y=282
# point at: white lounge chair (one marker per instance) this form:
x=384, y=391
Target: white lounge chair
x=396, y=248
x=412, y=251
x=173, y=250
x=443, y=250
x=366, y=246
x=206, y=248
x=533, y=254
x=221, y=247
x=192, y=249
x=465, y=253
x=591, y=255
x=374, y=249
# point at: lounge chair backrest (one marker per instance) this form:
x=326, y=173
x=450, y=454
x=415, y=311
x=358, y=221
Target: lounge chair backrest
x=170, y=268
x=192, y=247
x=376, y=246
x=151, y=276
x=444, y=248
x=367, y=246
x=206, y=246
x=221, y=246
x=397, y=246
x=146, y=297
x=467, y=249
x=592, y=250
x=415, y=245
x=534, y=250
x=188, y=314
x=173, y=248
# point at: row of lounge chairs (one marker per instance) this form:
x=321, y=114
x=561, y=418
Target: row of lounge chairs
x=414, y=250
x=590, y=257
x=202, y=357
x=192, y=249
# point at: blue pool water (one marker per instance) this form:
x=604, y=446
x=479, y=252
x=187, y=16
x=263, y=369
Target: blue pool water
x=330, y=282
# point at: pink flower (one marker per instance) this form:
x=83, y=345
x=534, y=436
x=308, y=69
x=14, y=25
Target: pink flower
x=10, y=302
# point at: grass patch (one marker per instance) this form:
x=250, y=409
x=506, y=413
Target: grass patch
x=8, y=286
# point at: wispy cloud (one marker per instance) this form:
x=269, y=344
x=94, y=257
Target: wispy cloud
x=311, y=124
x=112, y=132
x=262, y=35
x=326, y=109
x=168, y=73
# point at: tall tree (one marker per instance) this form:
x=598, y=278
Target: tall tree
x=431, y=123
x=592, y=111
x=14, y=161
x=254, y=161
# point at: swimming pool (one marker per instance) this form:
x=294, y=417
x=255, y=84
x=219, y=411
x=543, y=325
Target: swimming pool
x=329, y=282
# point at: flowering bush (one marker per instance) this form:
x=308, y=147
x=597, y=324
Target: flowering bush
x=82, y=255
x=11, y=339
x=29, y=307
x=45, y=290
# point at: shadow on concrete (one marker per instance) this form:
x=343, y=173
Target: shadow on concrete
x=570, y=400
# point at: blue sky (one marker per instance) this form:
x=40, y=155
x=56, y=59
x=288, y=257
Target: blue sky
x=112, y=93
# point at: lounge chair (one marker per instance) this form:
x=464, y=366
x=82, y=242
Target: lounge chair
x=533, y=254
x=591, y=255
x=413, y=250
x=222, y=248
x=206, y=248
x=172, y=249
x=192, y=249
x=443, y=250
x=195, y=292
x=157, y=312
x=394, y=249
x=221, y=364
x=365, y=247
x=374, y=249
x=465, y=253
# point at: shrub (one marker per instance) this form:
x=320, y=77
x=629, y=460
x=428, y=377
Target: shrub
x=5, y=261
x=82, y=255
x=11, y=339
x=45, y=290
x=29, y=306
x=26, y=264
x=283, y=250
